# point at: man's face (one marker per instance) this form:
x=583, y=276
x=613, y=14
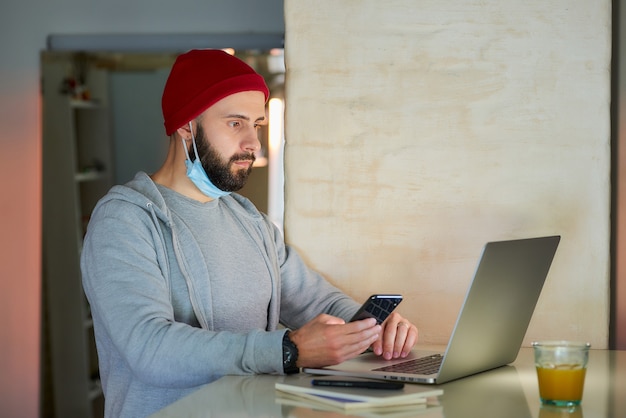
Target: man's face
x=227, y=137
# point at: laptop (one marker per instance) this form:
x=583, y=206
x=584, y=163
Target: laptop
x=490, y=326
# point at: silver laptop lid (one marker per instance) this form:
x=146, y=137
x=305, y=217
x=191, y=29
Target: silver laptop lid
x=498, y=306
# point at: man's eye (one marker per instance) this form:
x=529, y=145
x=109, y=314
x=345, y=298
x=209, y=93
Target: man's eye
x=235, y=124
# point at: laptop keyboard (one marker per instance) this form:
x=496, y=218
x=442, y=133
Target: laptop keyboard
x=422, y=365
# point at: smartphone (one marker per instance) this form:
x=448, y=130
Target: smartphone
x=377, y=306
x=364, y=384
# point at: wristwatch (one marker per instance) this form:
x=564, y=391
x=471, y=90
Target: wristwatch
x=290, y=355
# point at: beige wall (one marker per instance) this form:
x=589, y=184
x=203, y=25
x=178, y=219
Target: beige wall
x=437, y=126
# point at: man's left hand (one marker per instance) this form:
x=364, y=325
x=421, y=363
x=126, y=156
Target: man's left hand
x=399, y=336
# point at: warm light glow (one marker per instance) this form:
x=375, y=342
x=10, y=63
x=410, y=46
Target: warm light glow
x=276, y=141
x=275, y=123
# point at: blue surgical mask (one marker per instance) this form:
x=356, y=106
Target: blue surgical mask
x=196, y=172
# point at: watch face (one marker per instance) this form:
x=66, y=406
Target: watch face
x=287, y=354
x=290, y=353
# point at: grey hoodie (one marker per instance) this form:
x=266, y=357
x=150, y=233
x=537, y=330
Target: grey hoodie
x=150, y=297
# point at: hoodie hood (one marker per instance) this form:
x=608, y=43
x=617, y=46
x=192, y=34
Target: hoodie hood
x=143, y=192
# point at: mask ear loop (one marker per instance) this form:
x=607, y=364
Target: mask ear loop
x=193, y=141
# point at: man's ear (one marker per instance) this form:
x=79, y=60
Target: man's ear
x=184, y=131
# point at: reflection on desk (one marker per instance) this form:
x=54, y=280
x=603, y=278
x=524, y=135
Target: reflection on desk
x=488, y=395
x=230, y=396
x=509, y=391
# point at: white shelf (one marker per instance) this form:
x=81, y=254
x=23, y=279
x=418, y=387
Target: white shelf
x=85, y=104
x=88, y=323
x=89, y=176
x=95, y=389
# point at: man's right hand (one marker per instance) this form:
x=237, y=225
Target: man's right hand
x=327, y=340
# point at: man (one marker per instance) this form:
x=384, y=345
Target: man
x=188, y=281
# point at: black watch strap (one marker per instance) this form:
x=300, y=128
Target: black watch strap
x=290, y=355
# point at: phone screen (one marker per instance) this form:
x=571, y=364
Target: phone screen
x=378, y=306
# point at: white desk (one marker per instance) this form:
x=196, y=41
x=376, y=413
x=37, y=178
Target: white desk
x=510, y=392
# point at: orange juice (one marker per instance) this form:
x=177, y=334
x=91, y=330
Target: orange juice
x=561, y=383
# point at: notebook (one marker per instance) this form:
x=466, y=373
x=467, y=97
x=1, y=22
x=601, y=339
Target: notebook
x=490, y=326
x=351, y=399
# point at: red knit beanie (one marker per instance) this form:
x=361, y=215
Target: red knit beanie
x=200, y=78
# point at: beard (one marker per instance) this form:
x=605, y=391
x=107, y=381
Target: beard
x=218, y=170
